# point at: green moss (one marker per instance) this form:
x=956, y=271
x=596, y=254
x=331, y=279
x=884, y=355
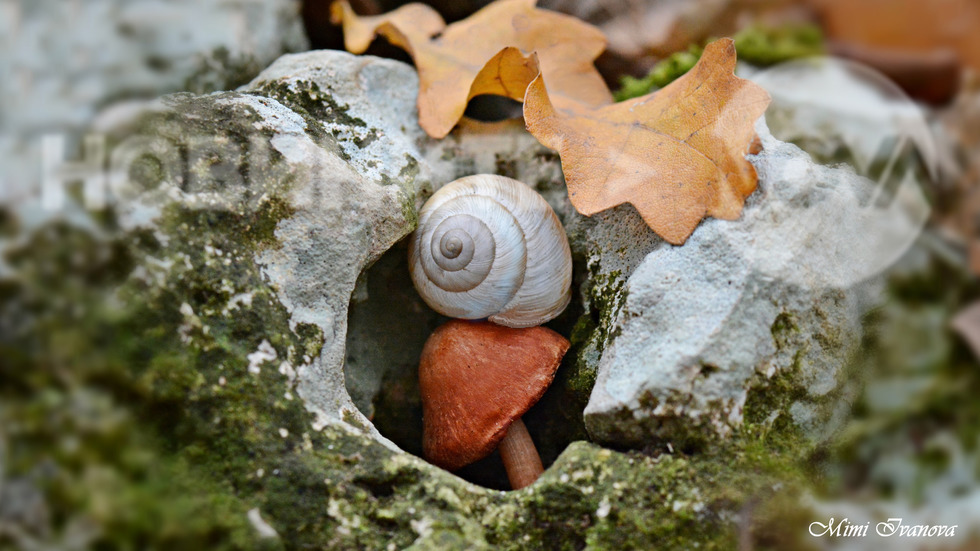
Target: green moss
x=662, y=74
x=909, y=348
x=129, y=400
x=410, y=171
x=783, y=329
x=9, y=223
x=165, y=352
x=582, y=378
x=409, y=212
x=307, y=97
x=84, y=391
x=612, y=500
x=317, y=107
x=761, y=45
x=757, y=45
x=607, y=295
x=775, y=395
x=593, y=331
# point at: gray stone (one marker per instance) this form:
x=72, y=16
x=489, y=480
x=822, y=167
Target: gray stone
x=342, y=222
x=743, y=307
x=64, y=62
x=255, y=266
x=247, y=254
x=677, y=338
x=366, y=103
x=723, y=316
x=314, y=131
x=366, y=196
x=354, y=205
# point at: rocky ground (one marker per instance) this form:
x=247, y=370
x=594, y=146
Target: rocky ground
x=225, y=356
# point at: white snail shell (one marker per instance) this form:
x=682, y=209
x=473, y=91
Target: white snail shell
x=491, y=247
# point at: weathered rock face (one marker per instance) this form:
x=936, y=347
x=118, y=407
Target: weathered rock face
x=224, y=281
x=356, y=152
x=732, y=315
x=681, y=338
x=366, y=104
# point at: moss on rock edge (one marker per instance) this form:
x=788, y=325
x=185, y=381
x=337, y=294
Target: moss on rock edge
x=147, y=392
x=202, y=439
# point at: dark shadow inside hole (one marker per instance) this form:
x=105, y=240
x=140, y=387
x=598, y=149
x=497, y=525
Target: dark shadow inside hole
x=322, y=34
x=556, y=420
x=325, y=35
x=388, y=326
x=489, y=108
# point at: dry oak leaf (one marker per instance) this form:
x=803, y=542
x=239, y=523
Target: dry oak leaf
x=677, y=155
x=485, y=54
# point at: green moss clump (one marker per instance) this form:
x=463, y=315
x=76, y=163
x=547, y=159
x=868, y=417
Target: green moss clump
x=783, y=328
x=582, y=378
x=918, y=409
x=770, y=399
x=602, y=499
x=308, y=98
x=663, y=73
x=764, y=46
x=593, y=331
x=757, y=45
x=9, y=223
x=90, y=405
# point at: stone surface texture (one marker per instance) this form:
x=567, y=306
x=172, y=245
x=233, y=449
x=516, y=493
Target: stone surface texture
x=700, y=327
x=261, y=317
x=356, y=154
x=66, y=61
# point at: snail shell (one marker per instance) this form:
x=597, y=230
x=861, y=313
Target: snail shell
x=490, y=247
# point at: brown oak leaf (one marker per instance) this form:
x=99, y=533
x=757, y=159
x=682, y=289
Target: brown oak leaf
x=485, y=54
x=677, y=155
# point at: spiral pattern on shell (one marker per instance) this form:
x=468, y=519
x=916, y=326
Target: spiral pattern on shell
x=490, y=247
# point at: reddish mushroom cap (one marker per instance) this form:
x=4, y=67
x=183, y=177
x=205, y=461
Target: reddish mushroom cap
x=476, y=378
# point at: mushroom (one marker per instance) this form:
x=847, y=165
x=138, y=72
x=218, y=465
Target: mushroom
x=477, y=379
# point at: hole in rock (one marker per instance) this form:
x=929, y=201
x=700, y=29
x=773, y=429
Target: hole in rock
x=324, y=35
x=388, y=326
x=489, y=108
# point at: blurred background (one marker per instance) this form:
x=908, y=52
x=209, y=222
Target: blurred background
x=72, y=455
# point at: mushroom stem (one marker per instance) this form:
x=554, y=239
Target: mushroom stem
x=520, y=457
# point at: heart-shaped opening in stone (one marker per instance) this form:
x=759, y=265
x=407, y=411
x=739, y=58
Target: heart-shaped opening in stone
x=388, y=324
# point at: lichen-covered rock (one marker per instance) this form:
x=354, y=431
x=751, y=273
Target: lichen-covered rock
x=776, y=336
x=367, y=104
x=177, y=359
x=358, y=196
x=697, y=331
x=225, y=357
